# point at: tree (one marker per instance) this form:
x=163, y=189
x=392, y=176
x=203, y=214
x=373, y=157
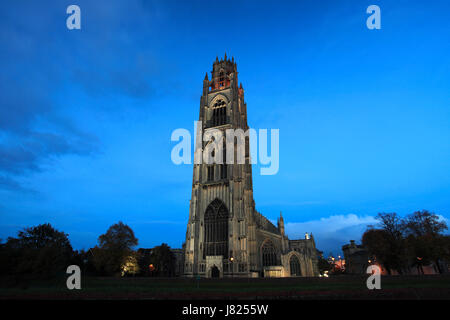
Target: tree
x=392, y=224
x=159, y=261
x=84, y=260
x=376, y=243
x=387, y=243
x=324, y=265
x=446, y=248
x=425, y=238
x=144, y=261
x=163, y=260
x=422, y=223
x=114, y=249
x=416, y=240
x=39, y=251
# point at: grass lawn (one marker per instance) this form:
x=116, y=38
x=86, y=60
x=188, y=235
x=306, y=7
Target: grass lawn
x=338, y=287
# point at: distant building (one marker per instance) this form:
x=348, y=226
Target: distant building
x=179, y=261
x=356, y=258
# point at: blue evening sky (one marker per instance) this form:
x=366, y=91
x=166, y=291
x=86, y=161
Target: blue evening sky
x=86, y=115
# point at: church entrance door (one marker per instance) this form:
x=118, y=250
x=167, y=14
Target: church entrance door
x=215, y=272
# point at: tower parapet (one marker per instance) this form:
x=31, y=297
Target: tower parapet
x=221, y=73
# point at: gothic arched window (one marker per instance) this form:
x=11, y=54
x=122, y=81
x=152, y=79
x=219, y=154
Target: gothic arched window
x=216, y=230
x=269, y=254
x=295, y=266
x=219, y=116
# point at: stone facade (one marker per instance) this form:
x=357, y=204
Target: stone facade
x=356, y=258
x=179, y=261
x=224, y=230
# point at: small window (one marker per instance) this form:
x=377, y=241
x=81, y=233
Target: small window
x=210, y=173
x=223, y=171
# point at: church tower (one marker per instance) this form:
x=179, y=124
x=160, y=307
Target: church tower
x=220, y=231
x=226, y=236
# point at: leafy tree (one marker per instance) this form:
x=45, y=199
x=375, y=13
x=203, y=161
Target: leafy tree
x=114, y=248
x=394, y=227
x=425, y=238
x=144, y=261
x=400, y=243
x=324, y=265
x=422, y=223
x=39, y=251
x=161, y=258
x=84, y=259
x=6, y=260
x=387, y=243
x=130, y=266
x=446, y=248
x=377, y=244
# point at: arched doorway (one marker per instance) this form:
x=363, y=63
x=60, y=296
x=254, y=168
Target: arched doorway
x=216, y=230
x=215, y=272
x=269, y=254
x=294, y=264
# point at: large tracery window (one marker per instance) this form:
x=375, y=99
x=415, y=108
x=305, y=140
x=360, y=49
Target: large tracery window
x=216, y=230
x=295, y=266
x=219, y=116
x=269, y=254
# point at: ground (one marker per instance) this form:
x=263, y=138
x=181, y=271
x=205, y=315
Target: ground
x=338, y=287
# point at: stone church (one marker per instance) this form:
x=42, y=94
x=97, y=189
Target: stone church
x=226, y=236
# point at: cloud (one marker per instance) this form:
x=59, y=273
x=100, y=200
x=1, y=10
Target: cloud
x=9, y=184
x=40, y=59
x=333, y=232
x=27, y=154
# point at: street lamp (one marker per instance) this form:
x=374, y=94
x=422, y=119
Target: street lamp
x=333, y=265
x=232, y=271
x=151, y=267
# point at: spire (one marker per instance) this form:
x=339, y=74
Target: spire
x=206, y=76
x=225, y=56
x=281, y=224
x=217, y=59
